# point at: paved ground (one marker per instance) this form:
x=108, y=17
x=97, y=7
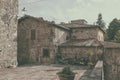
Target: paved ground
x=86, y=75
x=42, y=72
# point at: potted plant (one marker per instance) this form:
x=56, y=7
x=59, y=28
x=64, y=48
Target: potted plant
x=90, y=63
x=66, y=74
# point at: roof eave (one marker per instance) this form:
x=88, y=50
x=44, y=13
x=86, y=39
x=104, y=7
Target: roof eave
x=61, y=27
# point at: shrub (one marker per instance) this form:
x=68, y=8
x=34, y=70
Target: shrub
x=66, y=71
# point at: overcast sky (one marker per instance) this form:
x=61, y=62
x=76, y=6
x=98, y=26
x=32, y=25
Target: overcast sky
x=66, y=10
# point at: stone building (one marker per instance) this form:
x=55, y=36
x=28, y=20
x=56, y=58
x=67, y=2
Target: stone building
x=90, y=38
x=85, y=39
x=80, y=27
x=8, y=33
x=37, y=40
x=65, y=39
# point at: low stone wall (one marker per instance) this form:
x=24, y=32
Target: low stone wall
x=112, y=64
x=95, y=74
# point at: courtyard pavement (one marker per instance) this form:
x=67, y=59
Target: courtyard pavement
x=39, y=72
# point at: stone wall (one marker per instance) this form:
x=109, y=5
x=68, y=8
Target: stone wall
x=8, y=33
x=77, y=33
x=95, y=74
x=47, y=37
x=112, y=64
x=79, y=52
x=61, y=36
x=38, y=35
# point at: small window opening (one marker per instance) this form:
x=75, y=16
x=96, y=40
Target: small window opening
x=33, y=35
x=46, y=53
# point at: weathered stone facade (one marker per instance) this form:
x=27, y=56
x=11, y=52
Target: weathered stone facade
x=60, y=35
x=84, y=39
x=78, y=29
x=79, y=51
x=73, y=41
x=8, y=33
x=112, y=63
x=40, y=38
x=110, y=51
x=88, y=32
x=49, y=36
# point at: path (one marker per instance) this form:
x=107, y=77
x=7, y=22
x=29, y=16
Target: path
x=41, y=72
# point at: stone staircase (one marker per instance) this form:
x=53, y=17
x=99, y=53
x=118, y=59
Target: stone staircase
x=94, y=74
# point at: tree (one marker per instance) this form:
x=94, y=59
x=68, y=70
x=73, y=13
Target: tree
x=117, y=36
x=100, y=22
x=113, y=27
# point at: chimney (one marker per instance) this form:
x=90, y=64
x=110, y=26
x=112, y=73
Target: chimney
x=79, y=21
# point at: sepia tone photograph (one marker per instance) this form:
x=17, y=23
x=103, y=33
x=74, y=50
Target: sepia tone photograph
x=59, y=40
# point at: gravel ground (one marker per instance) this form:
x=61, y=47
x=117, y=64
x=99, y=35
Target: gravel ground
x=41, y=72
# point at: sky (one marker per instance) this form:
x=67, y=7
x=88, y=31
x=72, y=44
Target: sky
x=67, y=10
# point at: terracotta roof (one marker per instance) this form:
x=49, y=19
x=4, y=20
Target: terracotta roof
x=32, y=17
x=111, y=44
x=83, y=43
x=79, y=21
x=90, y=43
x=62, y=27
x=41, y=19
x=72, y=26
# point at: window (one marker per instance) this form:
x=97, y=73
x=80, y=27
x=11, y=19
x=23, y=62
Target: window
x=67, y=37
x=33, y=35
x=46, y=53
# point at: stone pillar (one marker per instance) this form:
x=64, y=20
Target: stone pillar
x=8, y=33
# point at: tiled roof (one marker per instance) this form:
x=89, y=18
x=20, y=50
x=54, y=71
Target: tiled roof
x=62, y=27
x=91, y=43
x=83, y=43
x=41, y=19
x=32, y=17
x=72, y=26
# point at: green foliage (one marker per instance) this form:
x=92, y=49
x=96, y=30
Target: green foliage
x=106, y=37
x=90, y=54
x=113, y=27
x=117, y=36
x=66, y=71
x=60, y=58
x=100, y=22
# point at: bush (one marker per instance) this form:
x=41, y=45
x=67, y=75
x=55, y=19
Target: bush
x=66, y=71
